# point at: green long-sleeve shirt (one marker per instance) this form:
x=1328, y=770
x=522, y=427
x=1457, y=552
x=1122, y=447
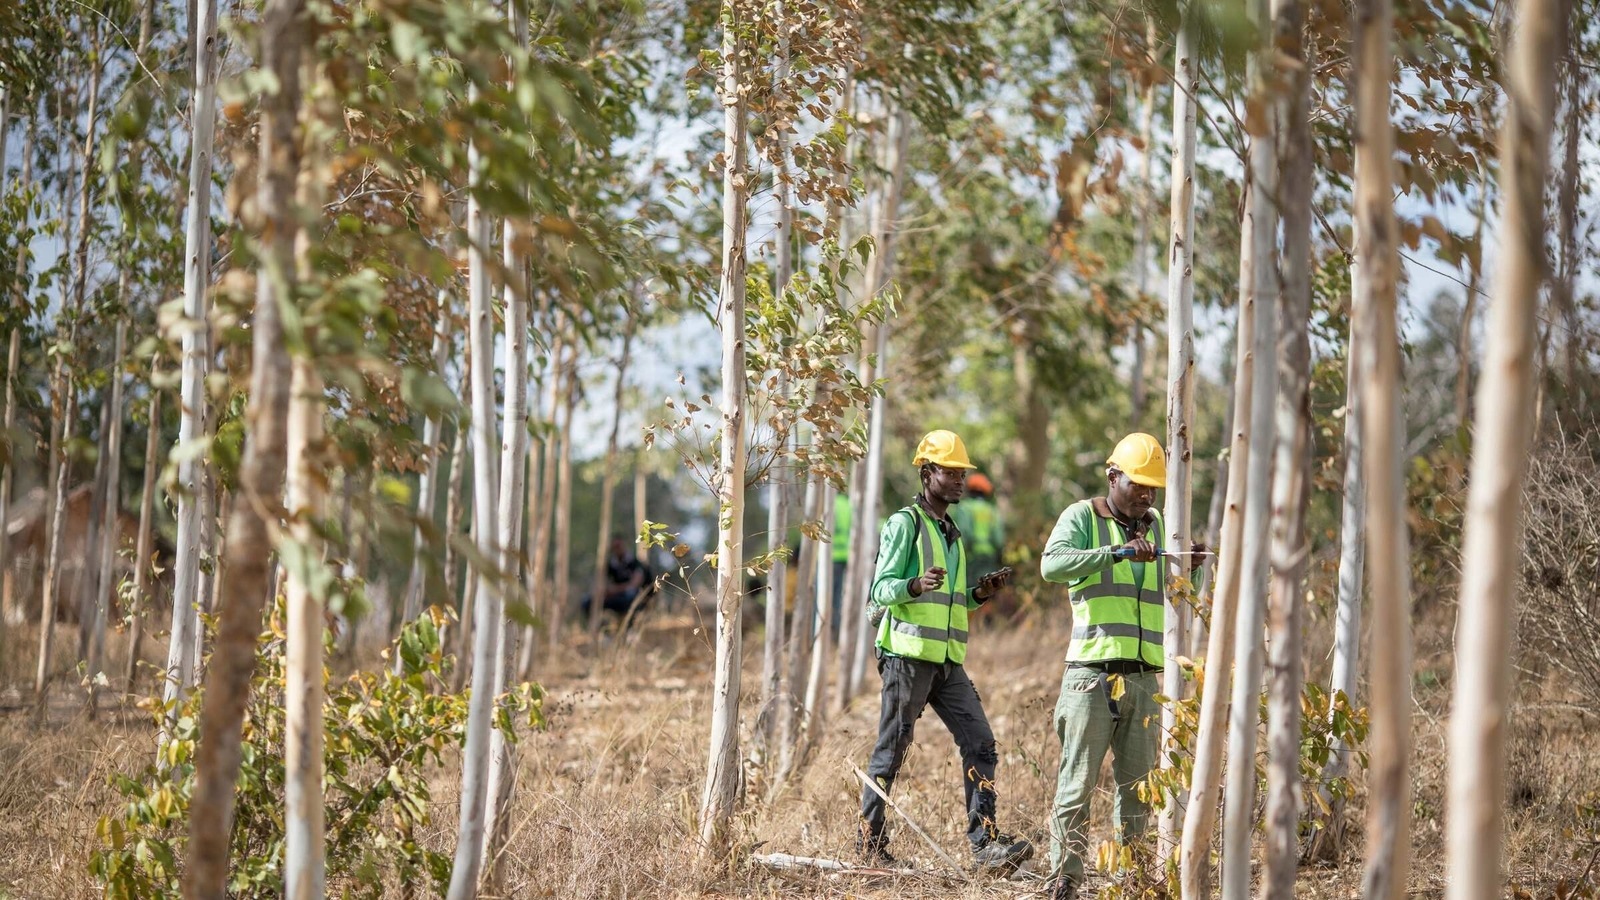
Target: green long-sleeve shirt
x=1067, y=555
x=897, y=560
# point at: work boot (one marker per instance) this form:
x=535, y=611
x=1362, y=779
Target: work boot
x=1063, y=888
x=873, y=849
x=1002, y=854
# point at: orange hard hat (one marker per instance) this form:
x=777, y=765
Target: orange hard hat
x=980, y=483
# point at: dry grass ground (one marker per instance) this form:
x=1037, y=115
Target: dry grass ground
x=608, y=792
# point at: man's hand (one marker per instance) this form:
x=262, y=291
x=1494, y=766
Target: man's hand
x=1198, y=552
x=931, y=580
x=991, y=583
x=1142, y=550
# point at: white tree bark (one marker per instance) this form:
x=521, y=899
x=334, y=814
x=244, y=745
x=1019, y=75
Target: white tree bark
x=1388, y=545
x=1502, y=441
x=1145, y=201
x=898, y=140
x=475, y=763
x=8, y=473
x=817, y=676
x=427, y=482
x=508, y=523
x=1352, y=543
x=181, y=661
x=1201, y=818
x=722, y=767
x=1251, y=615
x=1180, y=380
x=560, y=592
x=304, y=875
x=1292, y=470
x=779, y=490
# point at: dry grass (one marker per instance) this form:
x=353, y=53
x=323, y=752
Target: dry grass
x=608, y=793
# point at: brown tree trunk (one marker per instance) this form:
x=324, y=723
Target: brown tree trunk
x=1492, y=542
x=1206, y=781
x=142, y=563
x=1388, y=545
x=608, y=487
x=1292, y=470
x=257, y=502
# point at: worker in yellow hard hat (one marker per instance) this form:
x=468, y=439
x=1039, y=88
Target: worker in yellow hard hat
x=920, y=590
x=1105, y=550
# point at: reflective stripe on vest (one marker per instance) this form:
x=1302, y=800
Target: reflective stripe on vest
x=1112, y=617
x=933, y=625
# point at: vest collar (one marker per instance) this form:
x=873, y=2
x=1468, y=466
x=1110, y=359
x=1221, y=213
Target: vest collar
x=947, y=524
x=1102, y=508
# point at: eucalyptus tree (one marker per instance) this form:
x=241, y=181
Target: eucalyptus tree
x=1248, y=650
x=181, y=670
x=1501, y=445
x=1180, y=364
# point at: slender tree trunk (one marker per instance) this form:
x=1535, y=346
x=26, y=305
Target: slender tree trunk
x=1388, y=545
x=88, y=566
x=7, y=475
x=817, y=674
x=144, y=545
x=257, y=500
x=452, y=516
x=427, y=483
x=111, y=514
x=539, y=531
x=1563, y=288
x=1248, y=649
x=1144, y=198
x=778, y=489
x=1492, y=543
x=80, y=279
x=799, y=636
x=486, y=598
x=181, y=660
x=608, y=487
x=722, y=766
x=1352, y=554
x=1292, y=471
x=641, y=513
x=1195, y=863
x=562, y=561
x=1180, y=373
x=1469, y=310
x=66, y=402
x=303, y=853
x=508, y=519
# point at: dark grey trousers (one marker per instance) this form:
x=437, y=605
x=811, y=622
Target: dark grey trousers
x=908, y=686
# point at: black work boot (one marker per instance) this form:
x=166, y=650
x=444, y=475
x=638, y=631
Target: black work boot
x=1002, y=854
x=1063, y=888
x=872, y=848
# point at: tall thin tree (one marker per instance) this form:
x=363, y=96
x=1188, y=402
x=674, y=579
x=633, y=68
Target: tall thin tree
x=722, y=766
x=1292, y=469
x=486, y=599
x=1238, y=824
x=1201, y=818
x=1501, y=445
x=1388, y=545
x=258, y=498
x=428, y=481
x=181, y=661
x=1180, y=372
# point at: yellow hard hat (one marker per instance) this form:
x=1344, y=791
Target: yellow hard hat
x=943, y=448
x=1140, y=457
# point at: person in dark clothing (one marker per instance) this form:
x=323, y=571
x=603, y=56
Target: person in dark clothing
x=920, y=591
x=629, y=584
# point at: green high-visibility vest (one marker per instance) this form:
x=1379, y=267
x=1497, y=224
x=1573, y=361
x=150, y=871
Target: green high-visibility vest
x=841, y=528
x=932, y=626
x=1114, y=617
x=980, y=535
